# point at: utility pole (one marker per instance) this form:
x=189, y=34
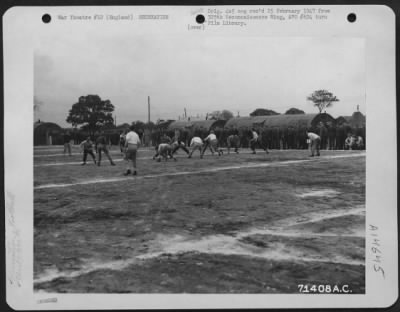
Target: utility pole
x=185, y=112
x=148, y=108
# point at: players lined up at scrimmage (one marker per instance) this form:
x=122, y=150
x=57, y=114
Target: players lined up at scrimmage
x=130, y=142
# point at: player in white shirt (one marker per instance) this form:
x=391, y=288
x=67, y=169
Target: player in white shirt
x=211, y=142
x=315, y=141
x=195, y=144
x=256, y=140
x=132, y=142
x=253, y=140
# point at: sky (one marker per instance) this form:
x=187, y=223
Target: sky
x=202, y=74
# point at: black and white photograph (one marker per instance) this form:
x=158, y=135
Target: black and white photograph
x=212, y=159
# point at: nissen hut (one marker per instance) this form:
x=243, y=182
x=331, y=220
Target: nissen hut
x=282, y=131
x=47, y=133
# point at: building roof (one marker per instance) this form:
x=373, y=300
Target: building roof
x=197, y=124
x=270, y=121
x=46, y=125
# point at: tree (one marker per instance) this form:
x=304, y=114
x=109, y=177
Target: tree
x=263, y=112
x=322, y=99
x=139, y=124
x=226, y=115
x=294, y=111
x=92, y=113
x=220, y=115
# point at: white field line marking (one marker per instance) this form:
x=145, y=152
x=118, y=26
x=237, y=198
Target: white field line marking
x=76, y=147
x=74, y=154
x=89, y=160
x=318, y=217
x=217, y=169
x=319, y=193
x=52, y=274
x=140, y=150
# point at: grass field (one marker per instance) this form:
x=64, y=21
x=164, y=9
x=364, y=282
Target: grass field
x=238, y=223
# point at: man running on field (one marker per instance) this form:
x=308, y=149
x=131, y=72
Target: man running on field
x=132, y=142
x=256, y=139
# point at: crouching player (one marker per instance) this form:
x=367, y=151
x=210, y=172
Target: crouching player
x=165, y=139
x=315, y=142
x=178, y=143
x=165, y=151
x=196, y=144
x=211, y=142
x=87, y=147
x=132, y=142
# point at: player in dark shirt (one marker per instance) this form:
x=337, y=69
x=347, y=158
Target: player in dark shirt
x=178, y=143
x=67, y=143
x=101, y=146
x=87, y=147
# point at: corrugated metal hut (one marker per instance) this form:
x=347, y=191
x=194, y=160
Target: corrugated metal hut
x=279, y=131
x=179, y=125
x=47, y=133
x=203, y=126
x=357, y=120
x=279, y=121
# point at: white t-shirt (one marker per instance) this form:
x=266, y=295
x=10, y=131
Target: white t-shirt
x=196, y=140
x=132, y=138
x=255, y=135
x=312, y=136
x=211, y=137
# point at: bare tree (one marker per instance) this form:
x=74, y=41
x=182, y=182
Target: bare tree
x=322, y=99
